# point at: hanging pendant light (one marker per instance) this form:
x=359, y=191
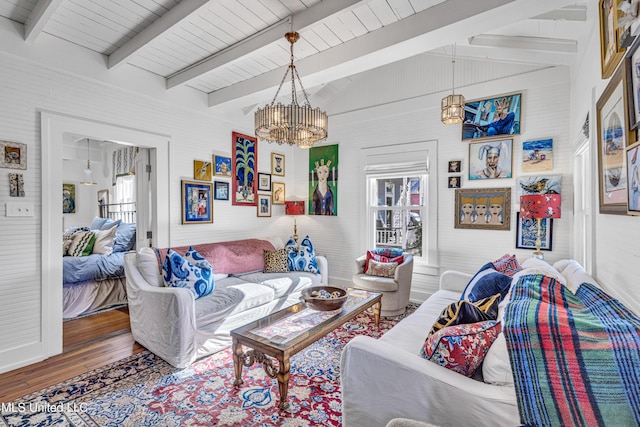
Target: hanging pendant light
x=452, y=105
x=88, y=178
x=292, y=124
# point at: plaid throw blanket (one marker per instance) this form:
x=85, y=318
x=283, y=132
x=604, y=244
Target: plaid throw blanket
x=575, y=358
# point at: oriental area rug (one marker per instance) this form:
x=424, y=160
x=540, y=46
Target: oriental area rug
x=144, y=390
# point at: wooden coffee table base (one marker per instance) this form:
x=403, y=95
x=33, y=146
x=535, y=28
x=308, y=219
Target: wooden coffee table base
x=262, y=351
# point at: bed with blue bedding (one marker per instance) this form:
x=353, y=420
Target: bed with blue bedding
x=93, y=266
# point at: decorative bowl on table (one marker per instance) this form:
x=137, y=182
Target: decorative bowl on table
x=324, y=298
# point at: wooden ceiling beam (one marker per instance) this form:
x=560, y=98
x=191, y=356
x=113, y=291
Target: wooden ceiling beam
x=38, y=18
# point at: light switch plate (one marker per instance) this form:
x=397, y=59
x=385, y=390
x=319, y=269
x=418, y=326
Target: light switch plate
x=19, y=209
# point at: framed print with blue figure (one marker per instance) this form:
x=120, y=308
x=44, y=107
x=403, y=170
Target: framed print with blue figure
x=491, y=159
x=196, y=202
x=527, y=233
x=494, y=117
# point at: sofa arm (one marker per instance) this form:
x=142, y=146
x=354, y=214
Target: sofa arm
x=454, y=280
x=162, y=319
x=359, y=264
x=323, y=266
x=380, y=382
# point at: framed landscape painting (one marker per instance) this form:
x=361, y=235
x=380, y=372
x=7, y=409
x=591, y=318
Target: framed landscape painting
x=613, y=137
x=245, y=165
x=483, y=208
x=491, y=118
x=196, y=202
x=537, y=155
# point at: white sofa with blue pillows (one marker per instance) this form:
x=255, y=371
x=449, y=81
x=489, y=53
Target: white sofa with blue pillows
x=386, y=378
x=180, y=328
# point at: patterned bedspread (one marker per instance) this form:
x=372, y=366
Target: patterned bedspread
x=575, y=358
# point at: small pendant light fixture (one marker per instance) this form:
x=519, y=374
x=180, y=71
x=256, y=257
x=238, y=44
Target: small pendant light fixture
x=88, y=179
x=452, y=105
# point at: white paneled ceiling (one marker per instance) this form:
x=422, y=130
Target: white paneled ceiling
x=235, y=49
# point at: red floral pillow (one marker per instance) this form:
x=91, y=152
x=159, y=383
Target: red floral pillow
x=381, y=258
x=461, y=348
x=507, y=264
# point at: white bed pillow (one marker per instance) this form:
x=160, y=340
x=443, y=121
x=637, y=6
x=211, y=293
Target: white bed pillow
x=104, y=241
x=496, y=368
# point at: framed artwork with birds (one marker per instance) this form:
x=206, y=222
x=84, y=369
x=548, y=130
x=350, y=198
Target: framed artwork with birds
x=538, y=184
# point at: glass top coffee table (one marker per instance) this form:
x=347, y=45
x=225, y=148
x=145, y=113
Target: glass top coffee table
x=284, y=333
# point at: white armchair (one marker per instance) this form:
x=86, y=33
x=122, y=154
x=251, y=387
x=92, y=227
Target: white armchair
x=395, y=290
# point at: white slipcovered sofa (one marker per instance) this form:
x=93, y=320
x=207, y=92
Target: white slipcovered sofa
x=174, y=325
x=386, y=378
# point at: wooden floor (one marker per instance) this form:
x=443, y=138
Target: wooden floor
x=89, y=343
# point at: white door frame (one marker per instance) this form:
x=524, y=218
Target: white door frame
x=54, y=127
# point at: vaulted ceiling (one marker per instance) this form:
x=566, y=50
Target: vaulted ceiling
x=235, y=50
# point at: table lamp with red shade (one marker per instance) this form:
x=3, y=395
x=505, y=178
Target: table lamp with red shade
x=294, y=207
x=540, y=206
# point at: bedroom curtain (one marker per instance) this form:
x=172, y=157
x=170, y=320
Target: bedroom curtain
x=123, y=162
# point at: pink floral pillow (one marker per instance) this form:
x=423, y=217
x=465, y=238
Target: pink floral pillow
x=461, y=348
x=382, y=269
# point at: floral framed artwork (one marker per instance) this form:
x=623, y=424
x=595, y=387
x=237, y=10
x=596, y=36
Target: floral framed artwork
x=454, y=166
x=196, y=202
x=537, y=155
x=220, y=190
x=527, y=233
x=611, y=53
x=222, y=165
x=491, y=159
x=613, y=136
x=13, y=155
x=264, y=205
x=633, y=178
x=632, y=69
x=245, y=165
x=278, y=193
x=68, y=198
x=277, y=164
x=483, y=208
x=264, y=181
x=492, y=118
x=202, y=170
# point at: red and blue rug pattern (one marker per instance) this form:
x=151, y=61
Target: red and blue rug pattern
x=144, y=390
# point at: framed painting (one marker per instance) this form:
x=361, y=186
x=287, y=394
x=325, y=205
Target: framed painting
x=13, y=155
x=527, y=233
x=196, y=202
x=264, y=205
x=220, y=190
x=323, y=180
x=492, y=118
x=16, y=185
x=454, y=166
x=611, y=52
x=454, y=182
x=202, y=170
x=245, y=165
x=613, y=136
x=491, y=159
x=278, y=194
x=483, y=208
x=277, y=164
x=540, y=184
x=632, y=69
x=222, y=165
x=68, y=198
x=633, y=178
x=537, y=155
x=264, y=181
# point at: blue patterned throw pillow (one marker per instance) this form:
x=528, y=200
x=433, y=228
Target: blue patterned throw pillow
x=196, y=259
x=302, y=258
x=178, y=272
x=485, y=283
